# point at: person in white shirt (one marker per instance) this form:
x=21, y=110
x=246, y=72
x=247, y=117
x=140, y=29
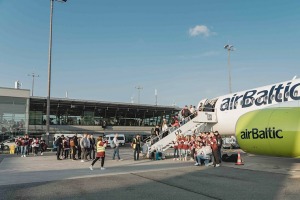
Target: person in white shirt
x=116, y=145
x=164, y=128
x=84, y=143
x=192, y=110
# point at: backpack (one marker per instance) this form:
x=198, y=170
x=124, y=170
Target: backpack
x=72, y=144
x=231, y=158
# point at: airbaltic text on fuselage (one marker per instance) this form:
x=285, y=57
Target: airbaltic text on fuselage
x=267, y=133
x=276, y=93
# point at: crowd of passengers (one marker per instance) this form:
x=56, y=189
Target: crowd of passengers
x=82, y=148
x=67, y=147
x=186, y=114
x=204, y=148
x=26, y=145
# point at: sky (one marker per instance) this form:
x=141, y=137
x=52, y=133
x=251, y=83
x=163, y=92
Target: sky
x=103, y=50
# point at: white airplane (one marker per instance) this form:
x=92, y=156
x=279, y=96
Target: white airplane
x=265, y=120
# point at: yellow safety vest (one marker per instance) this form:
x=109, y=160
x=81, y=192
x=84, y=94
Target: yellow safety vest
x=135, y=142
x=100, y=148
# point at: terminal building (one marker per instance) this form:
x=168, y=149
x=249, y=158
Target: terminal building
x=21, y=113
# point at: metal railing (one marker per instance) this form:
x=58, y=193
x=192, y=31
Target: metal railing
x=165, y=143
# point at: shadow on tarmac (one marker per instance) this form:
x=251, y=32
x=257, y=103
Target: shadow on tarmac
x=188, y=182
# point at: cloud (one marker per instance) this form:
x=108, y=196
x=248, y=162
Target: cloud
x=200, y=30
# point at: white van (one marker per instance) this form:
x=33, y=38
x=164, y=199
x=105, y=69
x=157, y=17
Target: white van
x=109, y=138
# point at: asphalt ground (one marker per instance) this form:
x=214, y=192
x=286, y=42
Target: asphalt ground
x=43, y=177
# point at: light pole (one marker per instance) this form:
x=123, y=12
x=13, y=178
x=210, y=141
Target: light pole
x=155, y=93
x=33, y=76
x=139, y=88
x=49, y=68
x=229, y=48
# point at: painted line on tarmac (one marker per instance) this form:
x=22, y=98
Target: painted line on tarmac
x=123, y=173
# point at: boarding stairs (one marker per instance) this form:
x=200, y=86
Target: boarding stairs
x=197, y=123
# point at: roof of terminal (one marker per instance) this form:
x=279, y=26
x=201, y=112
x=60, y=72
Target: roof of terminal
x=93, y=103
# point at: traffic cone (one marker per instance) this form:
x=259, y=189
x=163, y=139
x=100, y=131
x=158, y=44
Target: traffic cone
x=239, y=160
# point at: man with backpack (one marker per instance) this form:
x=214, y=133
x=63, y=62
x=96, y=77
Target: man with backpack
x=58, y=143
x=73, y=148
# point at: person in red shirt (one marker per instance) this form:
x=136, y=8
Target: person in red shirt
x=175, y=122
x=35, y=145
x=180, y=146
x=214, y=147
x=66, y=147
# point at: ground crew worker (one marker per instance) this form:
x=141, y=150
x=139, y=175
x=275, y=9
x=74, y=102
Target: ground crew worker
x=136, y=145
x=100, y=152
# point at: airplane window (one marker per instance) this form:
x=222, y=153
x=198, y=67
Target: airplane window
x=242, y=102
x=247, y=101
x=266, y=98
x=272, y=97
x=296, y=93
x=280, y=95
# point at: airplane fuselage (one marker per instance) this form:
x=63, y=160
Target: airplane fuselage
x=265, y=120
x=230, y=107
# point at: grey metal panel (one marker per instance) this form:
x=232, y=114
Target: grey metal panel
x=10, y=92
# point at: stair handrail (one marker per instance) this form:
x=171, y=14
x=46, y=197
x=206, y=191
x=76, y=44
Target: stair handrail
x=171, y=134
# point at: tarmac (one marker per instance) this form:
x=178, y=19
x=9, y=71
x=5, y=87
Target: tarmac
x=43, y=177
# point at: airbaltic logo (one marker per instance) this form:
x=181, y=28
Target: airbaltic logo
x=267, y=133
x=278, y=93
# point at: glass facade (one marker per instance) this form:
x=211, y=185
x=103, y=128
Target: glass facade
x=68, y=115
x=85, y=114
x=13, y=115
x=21, y=114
